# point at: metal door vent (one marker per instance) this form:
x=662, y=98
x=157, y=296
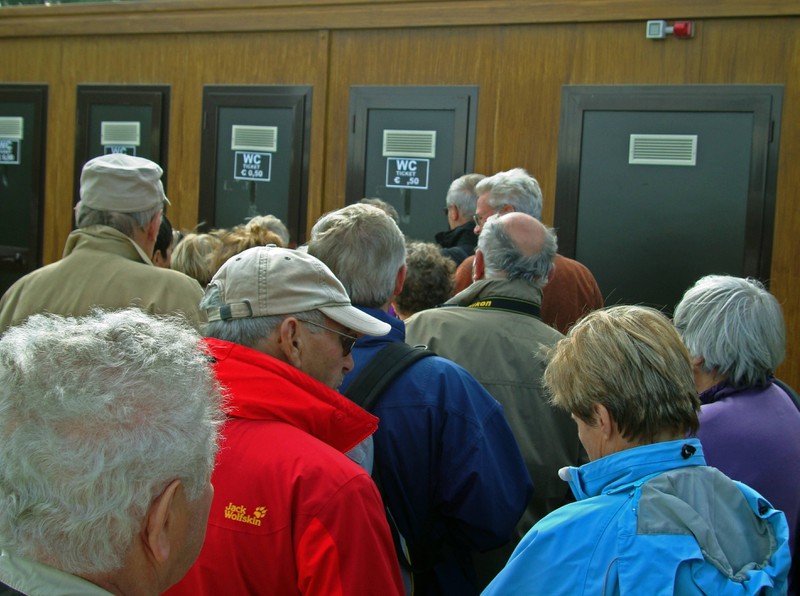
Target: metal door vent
x=663, y=150
x=254, y=138
x=409, y=143
x=11, y=127
x=120, y=133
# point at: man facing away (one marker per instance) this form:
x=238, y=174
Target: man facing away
x=291, y=513
x=107, y=260
x=460, y=240
x=451, y=472
x=108, y=432
x=494, y=330
x=572, y=290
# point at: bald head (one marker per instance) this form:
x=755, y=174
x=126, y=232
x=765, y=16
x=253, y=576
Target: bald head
x=515, y=246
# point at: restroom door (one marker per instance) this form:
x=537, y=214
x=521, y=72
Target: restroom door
x=23, y=113
x=254, y=156
x=407, y=144
x=658, y=186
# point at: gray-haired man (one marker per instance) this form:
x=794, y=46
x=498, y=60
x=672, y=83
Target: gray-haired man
x=107, y=260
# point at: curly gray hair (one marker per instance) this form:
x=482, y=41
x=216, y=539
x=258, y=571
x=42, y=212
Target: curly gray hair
x=98, y=415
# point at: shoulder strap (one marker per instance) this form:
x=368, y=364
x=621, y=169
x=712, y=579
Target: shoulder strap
x=789, y=391
x=379, y=372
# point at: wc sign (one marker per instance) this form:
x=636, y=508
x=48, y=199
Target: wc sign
x=404, y=172
x=249, y=165
x=9, y=151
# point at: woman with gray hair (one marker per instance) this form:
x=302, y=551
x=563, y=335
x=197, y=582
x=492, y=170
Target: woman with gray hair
x=651, y=517
x=749, y=425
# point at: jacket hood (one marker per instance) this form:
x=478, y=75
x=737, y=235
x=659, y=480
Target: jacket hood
x=260, y=387
x=515, y=288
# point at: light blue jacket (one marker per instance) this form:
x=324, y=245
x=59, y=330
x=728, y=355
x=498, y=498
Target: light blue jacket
x=653, y=520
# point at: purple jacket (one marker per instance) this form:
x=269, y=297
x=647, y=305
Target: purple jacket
x=753, y=435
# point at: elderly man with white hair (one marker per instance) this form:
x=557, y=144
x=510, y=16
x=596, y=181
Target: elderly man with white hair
x=108, y=434
x=749, y=425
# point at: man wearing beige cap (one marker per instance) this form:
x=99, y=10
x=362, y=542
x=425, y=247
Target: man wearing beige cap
x=106, y=261
x=291, y=513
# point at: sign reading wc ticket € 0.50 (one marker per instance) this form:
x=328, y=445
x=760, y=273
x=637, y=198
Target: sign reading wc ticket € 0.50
x=404, y=172
x=9, y=151
x=250, y=165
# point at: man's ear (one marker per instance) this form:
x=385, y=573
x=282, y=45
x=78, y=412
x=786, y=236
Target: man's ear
x=153, y=227
x=290, y=342
x=478, y=266
x=400, y=280
x=158, y=523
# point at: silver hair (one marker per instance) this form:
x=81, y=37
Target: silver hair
x=364, y=248
x=463, y=195
x=735, y=325
x=503, y=259
x=271, y=223
x=98, y=415
x=516, y=188
x=247, y=332
x=127, y=223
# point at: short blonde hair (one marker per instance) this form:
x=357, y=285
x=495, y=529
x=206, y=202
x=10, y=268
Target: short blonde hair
x=631, y=360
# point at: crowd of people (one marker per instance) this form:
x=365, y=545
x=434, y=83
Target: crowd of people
x=184, y=412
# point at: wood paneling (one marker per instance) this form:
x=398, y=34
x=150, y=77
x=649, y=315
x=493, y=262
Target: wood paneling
x=518, y=52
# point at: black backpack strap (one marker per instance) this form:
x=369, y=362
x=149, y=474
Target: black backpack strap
x=789, y=391
x=379, y=372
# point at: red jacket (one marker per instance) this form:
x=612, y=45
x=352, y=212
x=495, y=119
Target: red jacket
x=291, y=514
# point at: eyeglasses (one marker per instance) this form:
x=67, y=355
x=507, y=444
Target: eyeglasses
x=347, y=340
x=478, y=220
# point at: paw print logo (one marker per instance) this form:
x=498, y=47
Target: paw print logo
x=260, y=512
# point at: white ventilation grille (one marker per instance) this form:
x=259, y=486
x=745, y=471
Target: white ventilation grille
x=11, y=127
x=120, y=133
x=254, y=138
x=663, y=150
x=409, y=143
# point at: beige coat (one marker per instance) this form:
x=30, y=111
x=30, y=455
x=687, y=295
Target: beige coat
x=103, y=268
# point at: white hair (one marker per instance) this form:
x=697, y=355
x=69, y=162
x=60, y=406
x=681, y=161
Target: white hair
x=516, y=188
x=503, y=259
x=127, y=223
x=463, y=195
x=364, y=248
x=735, y=325
x=98, y=415
x=270, y=223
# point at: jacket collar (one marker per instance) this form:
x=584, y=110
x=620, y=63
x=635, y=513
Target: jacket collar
x=105, y=239
x=630, y=468
x=261, y=387
x=516, y=288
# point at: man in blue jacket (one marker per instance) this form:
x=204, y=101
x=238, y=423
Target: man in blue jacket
x=451, y=472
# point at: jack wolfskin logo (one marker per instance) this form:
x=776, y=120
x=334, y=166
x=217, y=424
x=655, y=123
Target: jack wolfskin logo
x=239, y=513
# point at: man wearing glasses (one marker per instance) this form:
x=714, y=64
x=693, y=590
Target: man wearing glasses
x=572, y=290
x=291, y=513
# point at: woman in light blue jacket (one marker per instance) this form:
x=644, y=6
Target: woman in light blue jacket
x=651, y=517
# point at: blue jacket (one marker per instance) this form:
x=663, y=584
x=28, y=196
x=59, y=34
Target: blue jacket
x=653, y=520
x=451, y=472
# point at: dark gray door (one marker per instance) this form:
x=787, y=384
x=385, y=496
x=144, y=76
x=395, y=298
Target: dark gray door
x=407, y=145
x=255, y=155
x=665, y=185
x=129, y=119
x=23, y=109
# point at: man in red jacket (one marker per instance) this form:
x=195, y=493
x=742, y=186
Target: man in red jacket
x=291, y=513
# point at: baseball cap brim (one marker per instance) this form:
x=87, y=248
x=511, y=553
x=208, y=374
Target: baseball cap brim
x=355, y=319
